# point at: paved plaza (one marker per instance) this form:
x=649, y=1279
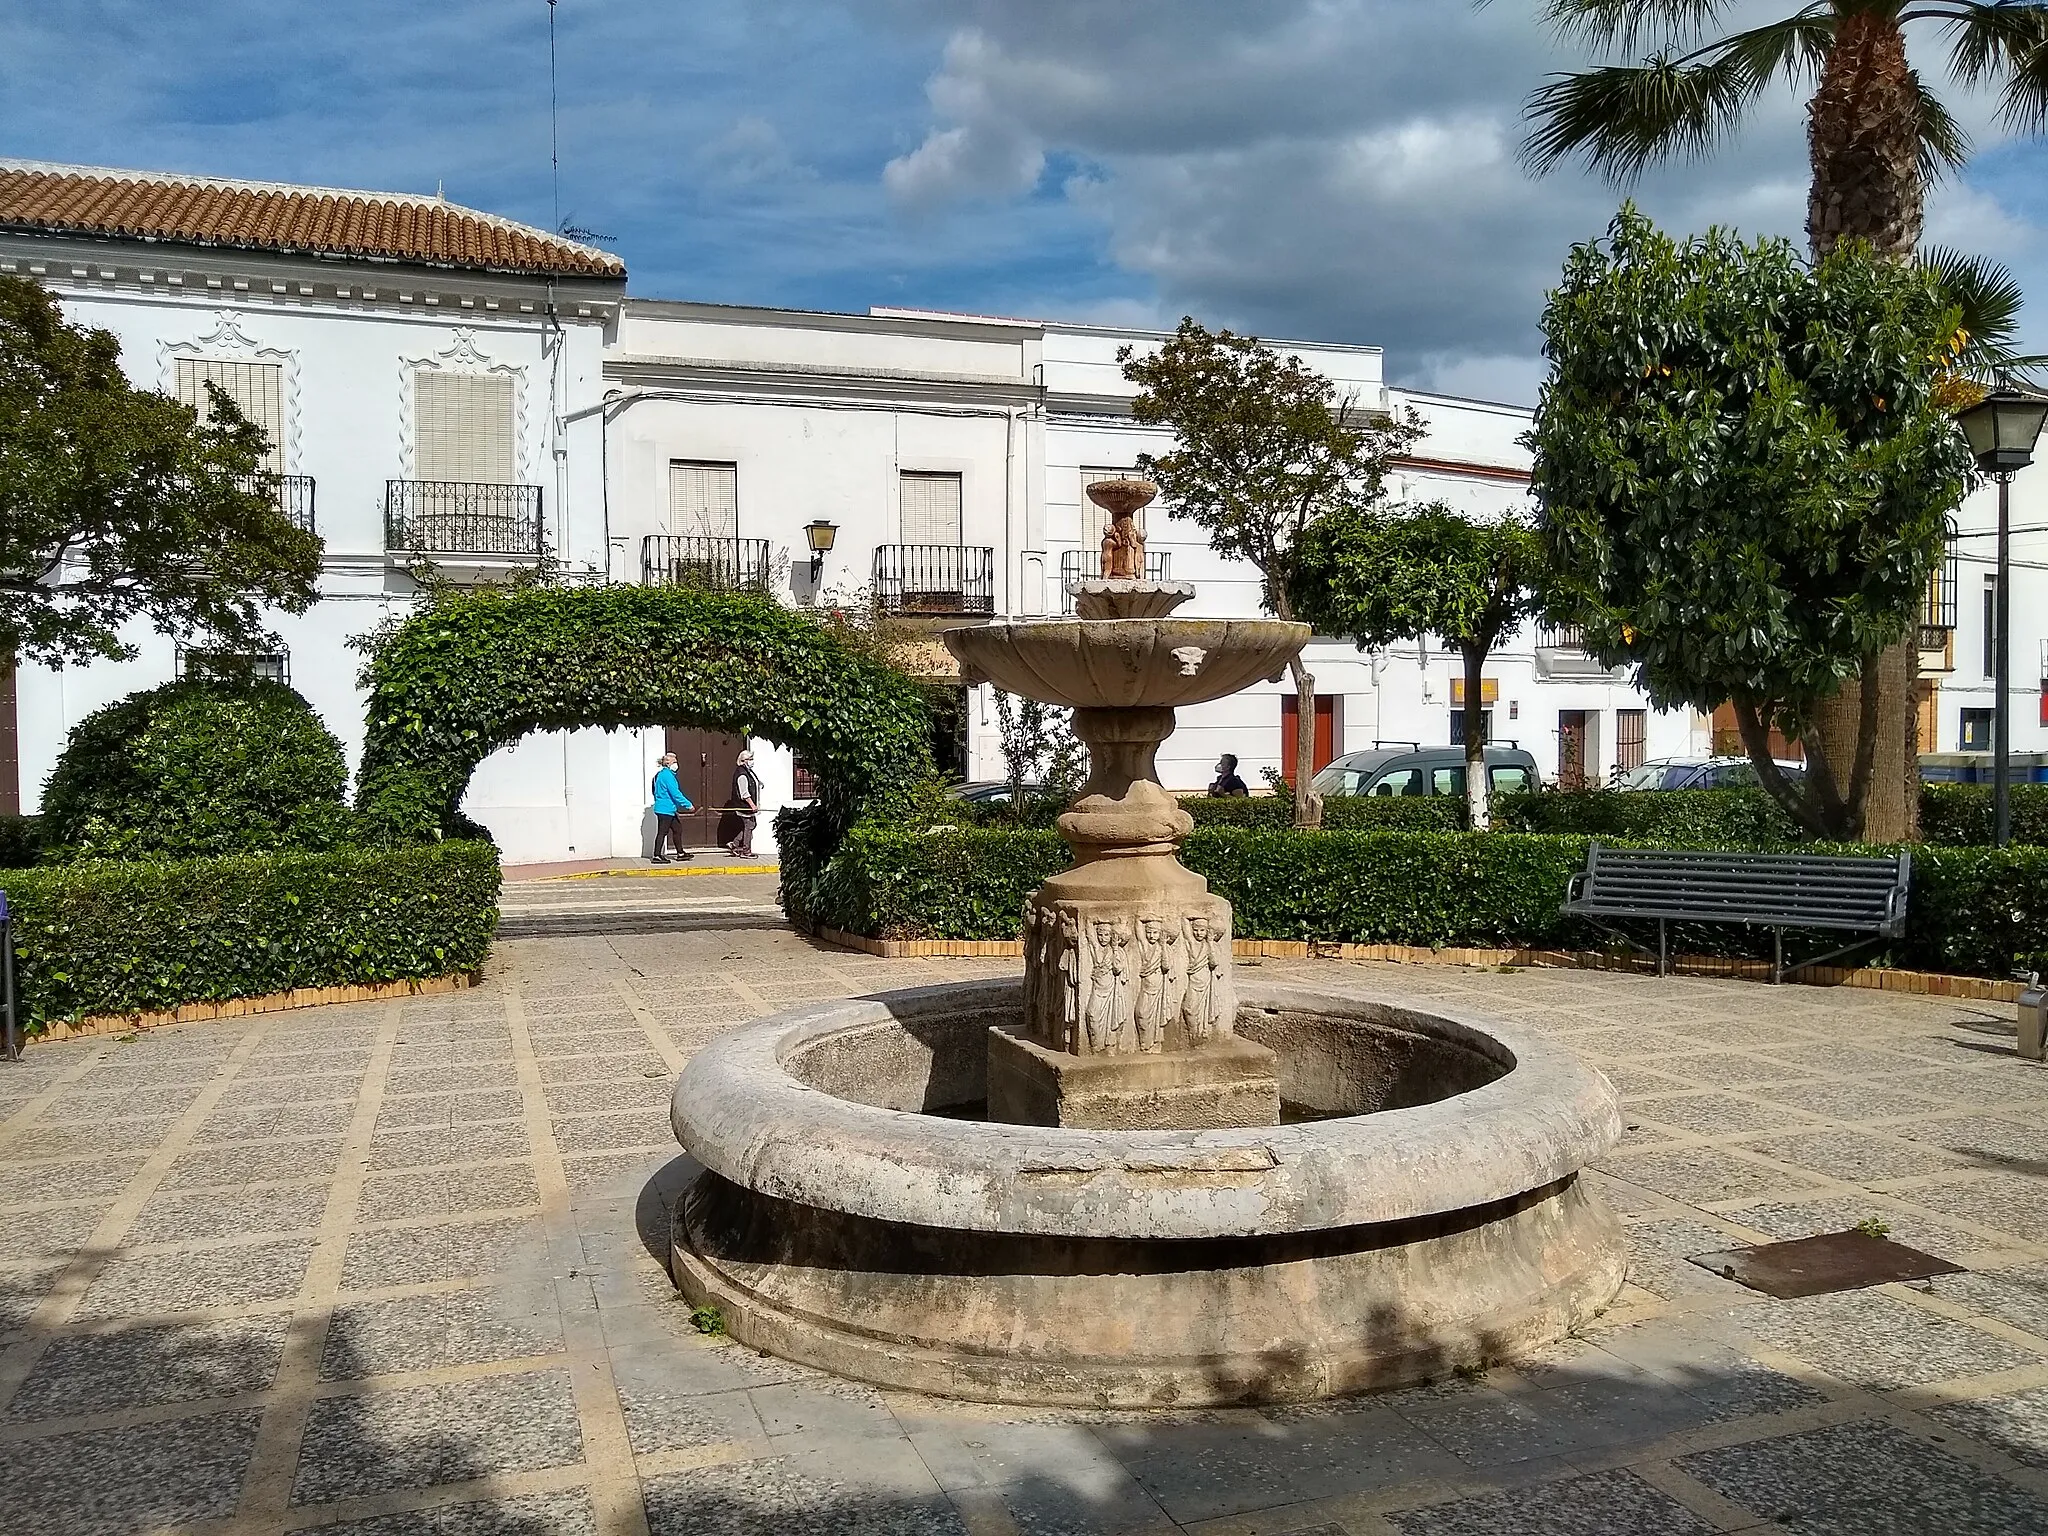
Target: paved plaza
x=397, y=1270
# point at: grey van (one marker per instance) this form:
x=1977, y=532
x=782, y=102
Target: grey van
x=1408, y=769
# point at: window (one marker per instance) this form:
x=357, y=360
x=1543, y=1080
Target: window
x=1990, y=626
x=257, y=390
x=703, y=500
x=1631, y=729
x=465, y=427
x=1508, y=780
x=236, y=667
x=803, y=779
x=1402, y=781
x=1458, y=725
x=1094, y=519
x=1976, y=733
x=1448, y=781
x=931, y=508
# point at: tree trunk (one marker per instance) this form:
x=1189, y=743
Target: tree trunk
x=1478, y=808
x=1308, y=805
x=1863, y=140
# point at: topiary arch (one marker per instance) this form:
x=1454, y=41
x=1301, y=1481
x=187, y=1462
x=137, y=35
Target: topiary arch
x=479, y=669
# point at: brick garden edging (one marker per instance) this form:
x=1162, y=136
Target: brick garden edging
x=1922, y=983
x=269, y=1002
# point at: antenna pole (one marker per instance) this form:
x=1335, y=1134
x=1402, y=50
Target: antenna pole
x=554, y=118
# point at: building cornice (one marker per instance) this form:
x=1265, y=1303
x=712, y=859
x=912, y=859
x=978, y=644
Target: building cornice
x=818, y=381
x=885, y=323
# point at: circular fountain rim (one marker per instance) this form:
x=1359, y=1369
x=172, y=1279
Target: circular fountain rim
x=742, y=1114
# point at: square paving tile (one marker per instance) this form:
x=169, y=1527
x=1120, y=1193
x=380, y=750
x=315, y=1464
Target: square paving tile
x=1866, y=1478
x=256, y=1163
x=34, y=1234
x=591, y=1133
x=1853, y=1156
x=1614, y=1503
x=613, y=1095
x=1701, y=1175
x=2018, y=1296
x=661, y=1420
x=77, y=1180
x=2016, y=1424
x=121, y=1482
x=416, y=1255
x=1878, y=1341
x=1708, y=1114
x=47, y=1140
x=608, y=1064
x=1847, y=1100
x=774, y=1497
x=462, y=1079
x=2003, y=1202
x=502, y=1186
x=430, y=1145
x=207, y=1279
x=257, y=1092
x=413, y=1333
x=93, y=1373
x=451, y=1108
x=263, y=1122
x=453, y=1432
x=171, y=1217
x=532, y=1514
x=1731, y=1069
x=22, y=1289
x=1809, y=1218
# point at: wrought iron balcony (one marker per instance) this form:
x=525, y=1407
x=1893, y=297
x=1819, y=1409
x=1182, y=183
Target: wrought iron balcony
x=1080, y=564
x=1938, y=611
x=717, y=565
x=456, y=517
x=1560, y=637
x=294, y=495
x=933, y=580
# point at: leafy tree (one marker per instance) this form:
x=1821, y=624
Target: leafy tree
x=1745, y=478
x=1039, y=748
x=1877, y=135
x=118, y=503
x=1264, y=446
x=1379, y=577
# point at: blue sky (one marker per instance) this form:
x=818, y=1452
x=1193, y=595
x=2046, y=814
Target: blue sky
x=1341, y=169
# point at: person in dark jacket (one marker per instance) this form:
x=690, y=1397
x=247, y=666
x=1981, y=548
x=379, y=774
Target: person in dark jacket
x=746, y=803
x=669, y=803
x=1227, y=785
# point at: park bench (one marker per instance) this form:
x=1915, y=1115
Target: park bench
x=1759, y=890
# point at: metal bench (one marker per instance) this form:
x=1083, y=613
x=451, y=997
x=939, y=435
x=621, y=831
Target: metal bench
x=1759, y=890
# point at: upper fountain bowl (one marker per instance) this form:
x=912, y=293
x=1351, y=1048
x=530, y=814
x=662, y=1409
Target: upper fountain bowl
x=1127, y=663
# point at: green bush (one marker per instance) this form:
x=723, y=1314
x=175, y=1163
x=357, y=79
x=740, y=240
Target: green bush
x=1677, y=818
x=113, y=937
x=21, y=841
x=193, y=769
x=1959, y=815
x=1972, y=910
x=1341, y=813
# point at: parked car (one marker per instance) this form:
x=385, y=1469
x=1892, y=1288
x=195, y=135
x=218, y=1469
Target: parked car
x=993, y=792
x=1702, y=773
x=1416, y=770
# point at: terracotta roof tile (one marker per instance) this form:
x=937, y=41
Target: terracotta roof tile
x=271, y=216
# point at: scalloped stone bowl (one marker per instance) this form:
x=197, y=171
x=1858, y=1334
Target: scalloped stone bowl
x=1127, y=663
x=1423, y=1211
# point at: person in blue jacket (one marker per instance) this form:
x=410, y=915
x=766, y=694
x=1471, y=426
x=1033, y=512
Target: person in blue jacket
x=669, y=803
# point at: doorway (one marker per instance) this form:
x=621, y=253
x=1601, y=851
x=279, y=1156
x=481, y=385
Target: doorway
x=1324, y=747
x=1574, y=760
x=704, y=762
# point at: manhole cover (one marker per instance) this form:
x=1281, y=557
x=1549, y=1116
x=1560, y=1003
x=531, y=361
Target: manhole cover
x=1834, y=1261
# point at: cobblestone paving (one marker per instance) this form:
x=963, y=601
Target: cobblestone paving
x=395, y=1270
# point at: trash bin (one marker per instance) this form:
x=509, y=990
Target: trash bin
x=2034, y=1019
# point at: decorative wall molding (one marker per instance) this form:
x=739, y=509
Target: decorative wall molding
x=463, y=355
x=227, y=342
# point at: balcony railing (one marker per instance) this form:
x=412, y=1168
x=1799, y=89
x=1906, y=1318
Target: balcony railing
x=1938, y=611
x=456, y=517
x=1560, y=637
x=932, y=580
x=718, y=565
x=294, y=495
x=1081, y=564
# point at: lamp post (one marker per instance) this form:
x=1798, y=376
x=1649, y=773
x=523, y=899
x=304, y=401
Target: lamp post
x=821, y=534
x=2002, y=429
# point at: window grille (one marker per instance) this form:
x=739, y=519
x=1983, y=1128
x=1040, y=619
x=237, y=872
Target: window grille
x=931, y=508
x=235, y=666
x=466, y=428
x=257, y=390
x=1094, y=519
x=703, y=500
x=1631, y=734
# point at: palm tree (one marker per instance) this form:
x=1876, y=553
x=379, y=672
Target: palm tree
x=1876, y=137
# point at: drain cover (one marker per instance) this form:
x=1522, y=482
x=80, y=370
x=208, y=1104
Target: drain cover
x=1834, y=1261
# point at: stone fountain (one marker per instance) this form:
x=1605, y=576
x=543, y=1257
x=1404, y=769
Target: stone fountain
x=1134, y=1179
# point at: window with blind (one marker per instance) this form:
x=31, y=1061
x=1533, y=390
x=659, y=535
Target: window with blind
x=1631, y=736
x=1094, y=519
x=931, y=508
x=257, y=390
x=703, y=499
x=466, y=427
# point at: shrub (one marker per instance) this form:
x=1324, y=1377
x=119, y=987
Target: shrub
x=1972, y=910
x=115, y=938
x=21, y=841
x=197, y=768
x=1677, y=818
x=1959, y=815
x=1406, y=813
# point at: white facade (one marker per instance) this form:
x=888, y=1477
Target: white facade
x=648, y=421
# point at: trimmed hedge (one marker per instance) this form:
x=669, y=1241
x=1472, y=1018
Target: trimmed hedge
x=1972, y=910
x=21, y=841
x=1959, y=815
x=1675, y=818
x=1341, y=813
x=118, y=938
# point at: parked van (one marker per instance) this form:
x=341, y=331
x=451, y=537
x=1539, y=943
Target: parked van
x=1408, y=769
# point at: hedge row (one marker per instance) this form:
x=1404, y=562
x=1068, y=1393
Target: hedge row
x=1973, y=911
x=117, y=938
x=21, y=841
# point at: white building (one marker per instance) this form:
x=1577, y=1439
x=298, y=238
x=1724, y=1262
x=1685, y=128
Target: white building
x=442, y=381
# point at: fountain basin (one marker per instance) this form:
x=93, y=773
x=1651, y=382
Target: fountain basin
x=1127, y=663
x=1433, y=1219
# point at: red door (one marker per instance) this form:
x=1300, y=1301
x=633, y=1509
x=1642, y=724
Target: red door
x=1290, y=731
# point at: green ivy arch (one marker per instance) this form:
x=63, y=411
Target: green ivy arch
x=479, y=669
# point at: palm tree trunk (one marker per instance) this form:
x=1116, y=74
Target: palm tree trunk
x=1863, y=138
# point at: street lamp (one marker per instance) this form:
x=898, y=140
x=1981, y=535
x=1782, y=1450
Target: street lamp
x=821, y=534
x=2002, y=429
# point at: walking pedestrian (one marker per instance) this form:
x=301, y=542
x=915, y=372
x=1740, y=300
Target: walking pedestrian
x=746, y=798
x=1227, y=785
x=669, y=804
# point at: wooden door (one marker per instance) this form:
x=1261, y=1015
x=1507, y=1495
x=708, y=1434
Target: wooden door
x=10, y=744
x=1572, y=767
x=704, y=762
x=1325, y=747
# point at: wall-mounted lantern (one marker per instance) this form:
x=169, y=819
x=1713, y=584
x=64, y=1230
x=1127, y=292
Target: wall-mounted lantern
x=820, y=533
